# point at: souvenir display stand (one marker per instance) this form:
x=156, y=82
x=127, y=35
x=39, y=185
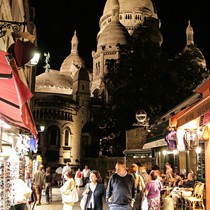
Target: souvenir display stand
x=14, y=164
x=5, y=182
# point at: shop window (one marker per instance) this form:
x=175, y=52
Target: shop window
x=54, y=135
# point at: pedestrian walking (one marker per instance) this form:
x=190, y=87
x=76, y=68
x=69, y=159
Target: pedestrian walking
x=39, y=183
x=143, y=171
x=139, y=183
x=96, y=192
x=121, y=190
x=152, y=192
x=48, y=184
x=85, y=174
x=66, y=168
x=58, y=176
x=78, y=178
x=68, y=186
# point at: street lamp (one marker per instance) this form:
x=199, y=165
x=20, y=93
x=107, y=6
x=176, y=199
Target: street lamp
x=34, y=61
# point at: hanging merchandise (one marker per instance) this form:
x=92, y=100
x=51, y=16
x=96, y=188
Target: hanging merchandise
x=12, y=167
x=7, y=199
x=23, y=144
x=170, y=139
x=180, y=142
x=190, y=139
x=33, y=145
x=206, y=133
x=39, y=158
x=28, y=171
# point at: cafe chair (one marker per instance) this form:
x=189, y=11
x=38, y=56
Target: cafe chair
x=168, y=203
x=197, y=197
x=194, y=193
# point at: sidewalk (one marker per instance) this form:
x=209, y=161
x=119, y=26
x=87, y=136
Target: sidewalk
x=56, y=201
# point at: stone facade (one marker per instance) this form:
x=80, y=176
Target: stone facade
x=68, y=100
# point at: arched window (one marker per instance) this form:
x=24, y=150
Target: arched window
x=67, y=138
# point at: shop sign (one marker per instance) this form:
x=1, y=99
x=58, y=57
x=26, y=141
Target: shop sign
x=196, y=111
x=157, y=143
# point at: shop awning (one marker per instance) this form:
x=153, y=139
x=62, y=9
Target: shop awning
x=14, y=96
x=153, y=142
x=173, y=119
x=197, y=110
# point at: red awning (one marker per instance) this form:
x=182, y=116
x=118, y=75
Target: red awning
x=14, y=96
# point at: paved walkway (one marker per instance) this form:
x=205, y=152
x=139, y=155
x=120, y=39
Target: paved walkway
x=56, y=203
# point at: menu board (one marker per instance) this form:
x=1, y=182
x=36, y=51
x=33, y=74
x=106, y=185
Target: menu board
x=201, y=166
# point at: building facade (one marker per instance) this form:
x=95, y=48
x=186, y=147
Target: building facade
x=67, y=100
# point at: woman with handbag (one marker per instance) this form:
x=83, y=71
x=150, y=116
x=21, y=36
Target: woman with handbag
x=95, y=192
x=69, y=191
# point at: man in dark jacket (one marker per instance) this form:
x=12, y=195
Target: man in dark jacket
x=121, y=190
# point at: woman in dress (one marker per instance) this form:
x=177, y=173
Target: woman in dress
x=69, y=184
x=95, y=190
x=152, y=192
x=78, y=178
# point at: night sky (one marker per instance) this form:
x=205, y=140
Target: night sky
x=56, y=21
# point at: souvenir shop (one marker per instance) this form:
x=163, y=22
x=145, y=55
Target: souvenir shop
x=18, y=133
x=16, y=162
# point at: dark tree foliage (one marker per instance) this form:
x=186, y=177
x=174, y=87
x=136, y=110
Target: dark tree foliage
x=144, y=78
x=184, y=73
x=135, y=81
x=112, y=140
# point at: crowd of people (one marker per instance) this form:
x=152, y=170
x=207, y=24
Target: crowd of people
x=127, y=189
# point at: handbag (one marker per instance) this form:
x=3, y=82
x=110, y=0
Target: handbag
x=144, y=203
x=83, y=201
x=70, y=197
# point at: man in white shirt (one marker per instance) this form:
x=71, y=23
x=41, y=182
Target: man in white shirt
x=85, y=174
